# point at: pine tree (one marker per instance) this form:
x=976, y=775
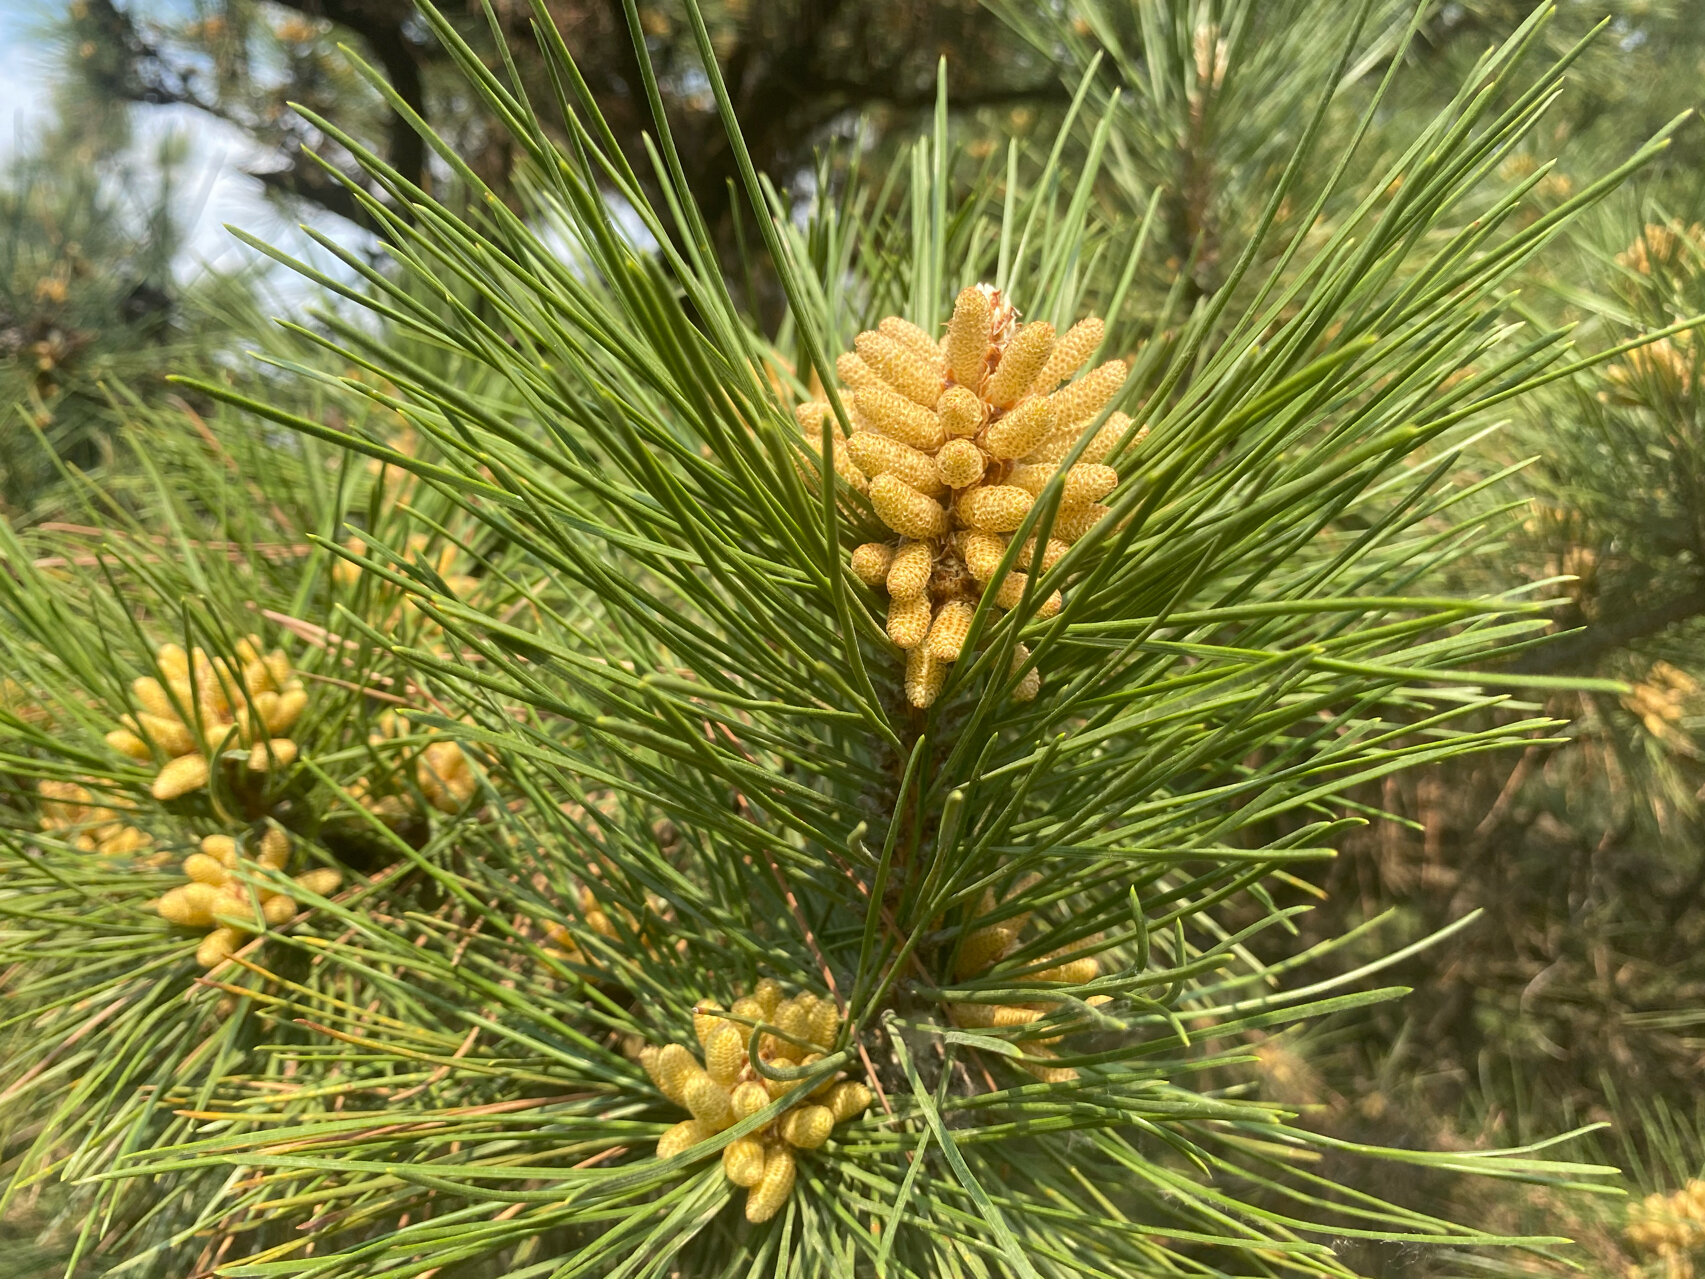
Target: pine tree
x=802, y=72
x=94, y=290
x=599, y=853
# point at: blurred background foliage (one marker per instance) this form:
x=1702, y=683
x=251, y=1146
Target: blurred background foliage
x=1579, y=995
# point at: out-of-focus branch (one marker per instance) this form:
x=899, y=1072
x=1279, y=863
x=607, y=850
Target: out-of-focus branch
x=306, y=179
x=154, y=75
x=794, y=69
x=383, y=25
x=1583, y=649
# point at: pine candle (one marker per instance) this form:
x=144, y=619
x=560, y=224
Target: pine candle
x=954, y=441
x=725, y=1087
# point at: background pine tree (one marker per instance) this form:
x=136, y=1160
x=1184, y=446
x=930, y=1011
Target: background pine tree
x=94, y=293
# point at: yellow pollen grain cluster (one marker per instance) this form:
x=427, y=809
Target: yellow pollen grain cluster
x=1667, y=1225
x=871, y=562
x=913, y=373
x=598, y=920
x=1017, y=433
x=1099, y=448
x=445, y=777
x=962, y=412
x=854, y=372
x=1051, y=553
x=443, y=560
x=993, y=508
x=1665, y=244
x=947, y=632
x=981, y=948
x=904, y=331
x=1010, y=593
x=878, y=455
x=885, y=410
x=1020, y=363
x=69, y=810
x=960, y=463
x=1084, y=483
x=1072, y=524
x=441, y=770
x=909, y=571
x=722, y=1086
x=1075, y=346
x=908, y=623
x=959, y=439
x=1030, y=683
x=925, y=673
x=1104, y=441
x=20, y=702
x=967, y=345
x=215, y=893
x=811, y=416
x=207, y=704
x=906, y=511
x=1666, y=365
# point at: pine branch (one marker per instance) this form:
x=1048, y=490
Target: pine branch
x=594, y=723
x=1584, y=649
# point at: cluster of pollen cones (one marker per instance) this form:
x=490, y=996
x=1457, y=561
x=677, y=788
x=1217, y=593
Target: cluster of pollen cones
x=210, y=705
x=726, y=1088
x=216, y=896
x=954, y=441
x=1669, y=1225
x=1027, y=1019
